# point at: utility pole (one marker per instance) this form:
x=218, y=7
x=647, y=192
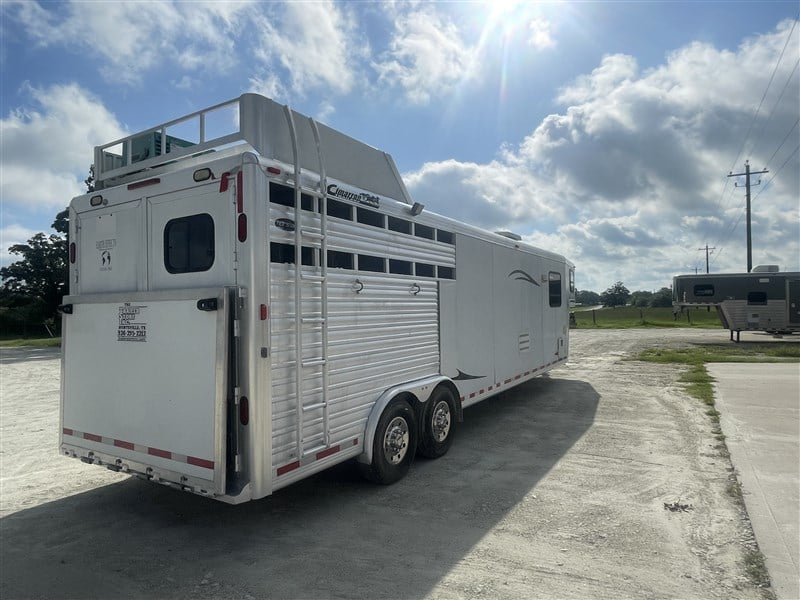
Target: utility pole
x=707, y=249
x=747, y=186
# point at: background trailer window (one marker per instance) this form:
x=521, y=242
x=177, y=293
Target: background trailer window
x=189, y=244
x=555, y=288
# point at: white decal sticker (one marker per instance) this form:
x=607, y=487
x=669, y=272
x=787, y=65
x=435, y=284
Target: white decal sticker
x=132, y=327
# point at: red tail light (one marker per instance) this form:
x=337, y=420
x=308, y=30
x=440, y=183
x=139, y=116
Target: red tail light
x=241, y=227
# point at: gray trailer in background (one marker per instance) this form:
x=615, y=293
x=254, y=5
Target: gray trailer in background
x=763, y=300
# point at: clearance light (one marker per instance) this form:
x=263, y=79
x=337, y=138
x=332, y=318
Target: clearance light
x=274, y=170
x=96, y=200
x=264, y=312
x=241, y=228
x=72, y=253
x=202, y=175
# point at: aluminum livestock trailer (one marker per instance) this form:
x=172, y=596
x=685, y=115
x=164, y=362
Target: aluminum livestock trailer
x=762, y=300
x=248, y=308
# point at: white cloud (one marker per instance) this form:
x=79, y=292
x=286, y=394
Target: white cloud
x=47, y=146
x=11, y=235
x=427, y=55
x=540, y=35
x=626, y=180
x=310, y=46
x=134, y=37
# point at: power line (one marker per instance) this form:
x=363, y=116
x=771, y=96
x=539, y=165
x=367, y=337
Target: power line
x=747, y=186
x=707, y=249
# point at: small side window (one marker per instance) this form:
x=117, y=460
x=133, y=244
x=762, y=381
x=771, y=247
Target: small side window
x=446, y=272
x=425, y=270
x=446, y=237
x=423, y=231
x=555, y=288
x=705, y=289
x=284, y=195
x=369, y=217
x=189, y=244
x=399, y=225
x=376, y=264
x=340, y=260
x=284, y=253
x=757, y=298
x=340, y=210
x=400, y=267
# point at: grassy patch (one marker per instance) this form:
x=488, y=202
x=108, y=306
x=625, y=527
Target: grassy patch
x=34, y=342
x=626, y=317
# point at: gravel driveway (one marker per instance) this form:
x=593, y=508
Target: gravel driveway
x=556, y=489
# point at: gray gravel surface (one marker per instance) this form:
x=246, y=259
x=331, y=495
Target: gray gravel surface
x=556, y=489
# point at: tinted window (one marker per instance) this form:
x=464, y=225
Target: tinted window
x=284, y=253
x=445, y=236
x=705, y=289
x=400, y=267
x=555, y=288
x=424, y=270
x=446, y=272
x=400, y=225
x=340, y=260
x=424, y=231
x=284, y=195
x=757, y=298
x=340, y=210
x=189, y=244
x=371, y=263
x=369, y=217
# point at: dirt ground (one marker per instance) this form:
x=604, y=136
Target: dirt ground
x=556, y=489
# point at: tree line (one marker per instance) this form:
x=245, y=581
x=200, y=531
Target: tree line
x=619, y=295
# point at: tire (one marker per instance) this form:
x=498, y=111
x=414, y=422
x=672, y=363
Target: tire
x=394, y=446
x=438, y=423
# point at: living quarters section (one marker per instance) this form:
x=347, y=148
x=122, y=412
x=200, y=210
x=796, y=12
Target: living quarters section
x=369, y=319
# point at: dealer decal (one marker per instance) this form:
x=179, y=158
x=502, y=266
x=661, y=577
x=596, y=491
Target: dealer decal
x=359, y=197
x=132, y=325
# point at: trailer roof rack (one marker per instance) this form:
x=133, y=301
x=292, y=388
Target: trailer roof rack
x=262, y=124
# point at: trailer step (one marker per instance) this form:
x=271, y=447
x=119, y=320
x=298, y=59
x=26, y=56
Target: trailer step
x=317, y=406
x=317, y=320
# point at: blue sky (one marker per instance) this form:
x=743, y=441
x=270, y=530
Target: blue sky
x=600, y=130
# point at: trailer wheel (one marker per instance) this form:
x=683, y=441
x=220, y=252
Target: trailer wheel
x=438, y=423
x=394, y=445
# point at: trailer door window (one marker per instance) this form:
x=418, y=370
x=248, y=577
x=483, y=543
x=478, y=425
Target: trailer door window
x=705, y=289
x=189, y=244
x=555, y=288
x=757, y=298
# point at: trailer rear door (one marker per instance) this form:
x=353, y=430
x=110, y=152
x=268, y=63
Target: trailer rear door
x=145, y=381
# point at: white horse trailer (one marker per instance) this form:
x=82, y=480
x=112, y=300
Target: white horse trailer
x=248, y=309
x=763, y=300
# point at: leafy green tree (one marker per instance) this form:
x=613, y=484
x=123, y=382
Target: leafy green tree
x=641, y=298
x=34, y=285
x=587, y=298
x=662, y=298
x=616, y=295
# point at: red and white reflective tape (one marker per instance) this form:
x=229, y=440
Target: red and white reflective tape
x=510, y=380
x=181, y=458
x=318, y=456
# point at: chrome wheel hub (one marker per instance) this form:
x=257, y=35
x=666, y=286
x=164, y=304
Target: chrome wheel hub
x=396, y=440
x=440, y=421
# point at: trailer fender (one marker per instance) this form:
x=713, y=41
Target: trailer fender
x=420, y=390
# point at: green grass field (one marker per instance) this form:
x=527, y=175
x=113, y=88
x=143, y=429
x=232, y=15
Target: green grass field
x=625, y=317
